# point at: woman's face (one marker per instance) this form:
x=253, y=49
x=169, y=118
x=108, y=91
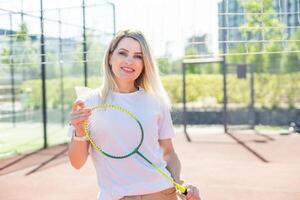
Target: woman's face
x=127, y=61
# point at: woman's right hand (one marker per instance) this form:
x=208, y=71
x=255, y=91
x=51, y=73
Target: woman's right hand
x=77, y=116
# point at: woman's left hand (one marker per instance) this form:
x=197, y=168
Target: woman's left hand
x=193, y=193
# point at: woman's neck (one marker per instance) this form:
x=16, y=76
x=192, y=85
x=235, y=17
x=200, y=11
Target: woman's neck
x=126, y=88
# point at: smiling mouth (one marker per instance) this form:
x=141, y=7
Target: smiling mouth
x=127, y=69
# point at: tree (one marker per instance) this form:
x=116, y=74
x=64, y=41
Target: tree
x=95, y=53
x=23, y=54
x=197, y=45
x=291, y=61
x=259, y=28
x=164, y=66
x=190, y=52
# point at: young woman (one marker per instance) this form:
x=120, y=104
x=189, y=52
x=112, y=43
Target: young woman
x=131, y=80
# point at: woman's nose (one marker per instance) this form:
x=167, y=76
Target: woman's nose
x=129, y=60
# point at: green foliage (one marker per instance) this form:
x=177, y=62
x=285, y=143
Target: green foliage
x=257, y=28
x=32, y=97
x=23, y=56
x=22, y=34
x=94, y=55
x=176, y=66
x=191, y=68
x=291, y=61
x=164, y=65
x=197, y=46
x=52, y=67
x=4, y=56
x=270, y=90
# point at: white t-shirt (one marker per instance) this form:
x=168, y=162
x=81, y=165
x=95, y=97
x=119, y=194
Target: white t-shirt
x=132, y=175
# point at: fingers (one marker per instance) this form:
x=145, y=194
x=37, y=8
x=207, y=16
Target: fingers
x=79, y=113
x=82, y=111
x=79, y=116
x=183, y=197
x=79, y=104
x=193, y=194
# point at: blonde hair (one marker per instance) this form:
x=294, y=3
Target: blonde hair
x=149, y=78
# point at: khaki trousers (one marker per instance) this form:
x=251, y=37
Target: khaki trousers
x=168, y=194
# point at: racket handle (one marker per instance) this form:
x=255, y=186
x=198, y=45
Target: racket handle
x=181, y=188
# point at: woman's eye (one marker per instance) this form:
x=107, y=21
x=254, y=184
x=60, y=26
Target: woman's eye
x=138, y=56
x=122, y=53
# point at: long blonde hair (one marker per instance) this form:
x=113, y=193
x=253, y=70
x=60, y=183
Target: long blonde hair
x=149, y=78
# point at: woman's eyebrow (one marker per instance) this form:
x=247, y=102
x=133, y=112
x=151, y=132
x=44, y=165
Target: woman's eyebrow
x=128, y=51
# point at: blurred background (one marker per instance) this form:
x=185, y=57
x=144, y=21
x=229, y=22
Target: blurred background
x=227, y=65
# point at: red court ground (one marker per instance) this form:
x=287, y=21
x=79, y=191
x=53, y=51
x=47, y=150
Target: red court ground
x=237, y=166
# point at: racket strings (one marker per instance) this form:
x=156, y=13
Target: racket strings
x=114, y=131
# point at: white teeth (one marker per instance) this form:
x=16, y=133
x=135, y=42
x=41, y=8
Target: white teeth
x=127, y=69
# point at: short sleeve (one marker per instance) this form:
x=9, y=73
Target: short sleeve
x=165, y=124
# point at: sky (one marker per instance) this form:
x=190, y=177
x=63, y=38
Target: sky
x=166, y=23
x=170, y=22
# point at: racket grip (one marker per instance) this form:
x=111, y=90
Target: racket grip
x=182, y=189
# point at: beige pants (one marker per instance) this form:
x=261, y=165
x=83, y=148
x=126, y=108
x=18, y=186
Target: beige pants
x=168, y=194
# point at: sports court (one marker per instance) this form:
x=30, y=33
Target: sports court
x=230, y=67
x=224, y=166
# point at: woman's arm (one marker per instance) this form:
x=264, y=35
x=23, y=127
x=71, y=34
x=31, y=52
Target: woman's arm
x=170, y=156
x=78, y=150
x=78, y=153
x=174, y=167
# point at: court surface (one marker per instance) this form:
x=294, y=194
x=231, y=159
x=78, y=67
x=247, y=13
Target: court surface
x=243, y=165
